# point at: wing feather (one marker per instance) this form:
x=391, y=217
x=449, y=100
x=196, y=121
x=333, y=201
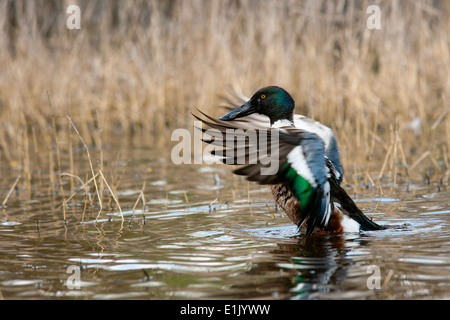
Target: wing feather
x=302, y=164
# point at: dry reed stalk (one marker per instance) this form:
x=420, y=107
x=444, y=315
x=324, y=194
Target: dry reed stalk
x=91, y=166
x=372, y=133
x=10, y=191
x=122, y=175
x=211, y=203
x=114, y=196
x=273, y=214
x=186, y=198
x=378, y=202
x=87, y=196
x=26, y=163
x=419, y=160
x=140, y=197
x=402, y=153
x=100, y=147
x=51, y=170
x=38, y=156
x=383, y=167
x=129, y=64
x=5, y=148
x=84, y=185
x=71, y=160
x=58, y=157
x=445, y=155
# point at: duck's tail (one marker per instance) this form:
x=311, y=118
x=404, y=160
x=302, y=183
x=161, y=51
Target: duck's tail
x=349, y=208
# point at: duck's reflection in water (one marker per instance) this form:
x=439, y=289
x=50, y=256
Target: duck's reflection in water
x=309, y=268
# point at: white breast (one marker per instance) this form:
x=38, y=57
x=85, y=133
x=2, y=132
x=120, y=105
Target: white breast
x=282, y=123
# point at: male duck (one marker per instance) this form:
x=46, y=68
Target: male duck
x=307, y=183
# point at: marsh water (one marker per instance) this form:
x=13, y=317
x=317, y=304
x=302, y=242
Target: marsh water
x=202, y=233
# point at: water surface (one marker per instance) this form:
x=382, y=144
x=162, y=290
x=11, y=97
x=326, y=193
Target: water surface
x=198, y=237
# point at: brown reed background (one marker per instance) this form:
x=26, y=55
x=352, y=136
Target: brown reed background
x=136, y=69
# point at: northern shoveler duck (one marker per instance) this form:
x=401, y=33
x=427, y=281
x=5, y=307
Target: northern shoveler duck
x=307, y=183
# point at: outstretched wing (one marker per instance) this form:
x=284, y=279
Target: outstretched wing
x=234, y=100
x=300, y=156
x=307, y=175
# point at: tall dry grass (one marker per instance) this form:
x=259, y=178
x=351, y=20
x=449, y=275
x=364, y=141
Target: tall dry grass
x=136, y=68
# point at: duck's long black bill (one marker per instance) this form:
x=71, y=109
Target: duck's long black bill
x=242, y=111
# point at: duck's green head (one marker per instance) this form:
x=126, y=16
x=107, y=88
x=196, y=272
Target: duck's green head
x=274, y=102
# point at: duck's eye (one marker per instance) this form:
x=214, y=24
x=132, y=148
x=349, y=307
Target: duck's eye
x=263, y=96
